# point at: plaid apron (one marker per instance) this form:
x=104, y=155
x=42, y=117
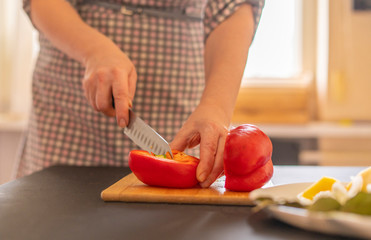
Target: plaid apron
x=167, y=51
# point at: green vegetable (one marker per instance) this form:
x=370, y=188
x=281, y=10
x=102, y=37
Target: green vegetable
x=293, y=204
x=325, y=205
x=360, y=204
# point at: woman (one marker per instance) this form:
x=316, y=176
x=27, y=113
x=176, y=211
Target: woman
x=177, y=63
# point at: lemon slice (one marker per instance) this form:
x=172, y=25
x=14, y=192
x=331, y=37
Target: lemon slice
x=366, y=177
x=324, y=184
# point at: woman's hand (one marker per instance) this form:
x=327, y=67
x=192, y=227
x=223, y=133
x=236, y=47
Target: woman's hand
x=225, y=58
x=206, y=126
x=108, y=70
x=110, y=75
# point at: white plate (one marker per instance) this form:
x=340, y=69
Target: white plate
x=287, y=192
x=336, y=223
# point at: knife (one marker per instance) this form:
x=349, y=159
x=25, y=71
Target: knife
x=145, y=137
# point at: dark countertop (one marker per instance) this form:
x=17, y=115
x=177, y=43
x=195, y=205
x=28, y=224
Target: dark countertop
x=64, y=203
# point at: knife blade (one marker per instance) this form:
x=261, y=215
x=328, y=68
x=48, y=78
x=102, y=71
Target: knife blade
x=145, y=137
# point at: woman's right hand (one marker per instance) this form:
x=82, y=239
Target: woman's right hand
x=109, y=75
x=109, y=72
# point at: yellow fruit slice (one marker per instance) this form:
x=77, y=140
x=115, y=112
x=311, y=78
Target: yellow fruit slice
x=324, y=184
x=366, y=177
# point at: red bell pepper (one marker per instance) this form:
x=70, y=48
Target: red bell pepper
x=247, y=158
x=162, y=171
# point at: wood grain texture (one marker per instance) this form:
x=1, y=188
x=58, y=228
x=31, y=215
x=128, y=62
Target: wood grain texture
x=130, y=189
x=273, y=105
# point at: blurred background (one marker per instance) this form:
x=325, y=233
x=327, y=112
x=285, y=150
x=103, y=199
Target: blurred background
x=307, y=83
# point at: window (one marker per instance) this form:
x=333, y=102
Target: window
x=276, y=49
x=17, y=57
x=277, y=86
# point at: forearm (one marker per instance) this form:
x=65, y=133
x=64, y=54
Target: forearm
x=66, y=30
x=226, y=52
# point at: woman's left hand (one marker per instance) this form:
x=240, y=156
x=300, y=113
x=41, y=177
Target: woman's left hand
x=206, y=126
x=226, y=51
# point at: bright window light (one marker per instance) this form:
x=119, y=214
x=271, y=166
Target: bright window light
x=276, y=49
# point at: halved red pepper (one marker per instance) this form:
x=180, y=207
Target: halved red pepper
x=162, y=171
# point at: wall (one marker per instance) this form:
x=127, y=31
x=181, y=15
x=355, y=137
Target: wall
x=11, y=132
x=349, y=72
x=9, y=143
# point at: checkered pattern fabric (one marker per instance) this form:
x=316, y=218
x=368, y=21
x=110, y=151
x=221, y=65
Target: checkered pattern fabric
x=168, y=55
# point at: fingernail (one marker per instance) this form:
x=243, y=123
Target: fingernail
x=205, y=184
x=202, y=177
x=130, y=104
x=122, y=123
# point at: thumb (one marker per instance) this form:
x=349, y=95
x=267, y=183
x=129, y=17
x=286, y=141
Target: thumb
x=185, y=138
x=132, y=83
x=179, y=142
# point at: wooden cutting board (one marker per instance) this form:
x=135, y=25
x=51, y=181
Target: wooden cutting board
x=130, y=189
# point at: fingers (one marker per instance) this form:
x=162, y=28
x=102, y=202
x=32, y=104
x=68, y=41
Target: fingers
x=105, y=85
x=180, y=141
x=132, y=83
x=103, y=98
x=217, y=169
x=120, y=91
x=89, y=90
x=208, y=150
x=212, y=140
